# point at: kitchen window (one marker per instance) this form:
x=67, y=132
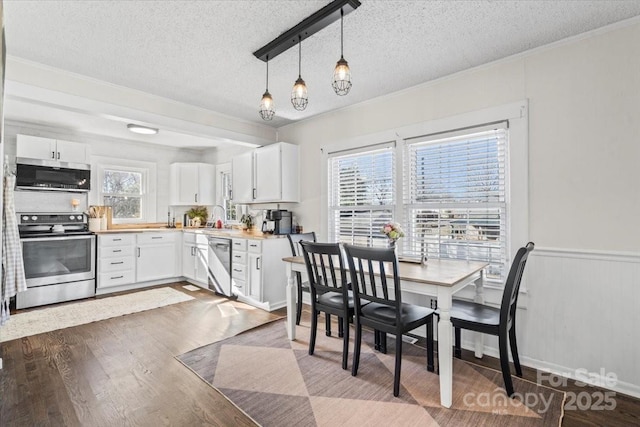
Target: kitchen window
x=126, y=187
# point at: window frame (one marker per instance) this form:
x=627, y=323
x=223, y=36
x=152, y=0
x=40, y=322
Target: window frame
x=516, y=168
x=148, y=199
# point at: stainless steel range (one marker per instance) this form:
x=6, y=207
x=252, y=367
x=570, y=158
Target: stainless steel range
x=59, y=258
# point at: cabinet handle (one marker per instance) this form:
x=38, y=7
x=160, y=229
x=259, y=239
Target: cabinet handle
x=58, y=155
x=258, y=263
x=239, y=271
x=116, y=250
x=196, y=197
x=156, y=237
x=138, y=252
x=193, y=251
x=254, y=193
x=254, y=245
x=116, y=240
x=53, y=154
x=117, y=277
x=120, y=262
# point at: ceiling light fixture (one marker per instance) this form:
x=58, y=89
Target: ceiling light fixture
x=299, y=97
x=144, y=130
x=267, y=108
x=342, y=74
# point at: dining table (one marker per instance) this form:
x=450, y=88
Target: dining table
x=439, y=278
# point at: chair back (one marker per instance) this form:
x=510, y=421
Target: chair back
x=512, y=286
x=325, y=268
x=295, y=238
x=369, y=268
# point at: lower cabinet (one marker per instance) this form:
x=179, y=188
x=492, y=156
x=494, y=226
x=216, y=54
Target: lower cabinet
x=128, y=259
x=258, y=273
x=195, y=258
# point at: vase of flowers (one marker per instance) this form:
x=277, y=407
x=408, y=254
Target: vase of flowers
x=393, y=231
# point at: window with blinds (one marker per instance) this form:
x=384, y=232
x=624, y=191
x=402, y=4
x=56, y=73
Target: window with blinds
x=455, y=197
x=361, y=195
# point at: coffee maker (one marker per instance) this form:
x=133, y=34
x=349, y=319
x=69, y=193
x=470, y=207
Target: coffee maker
x=277, y=221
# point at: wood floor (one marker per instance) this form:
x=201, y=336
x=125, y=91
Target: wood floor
x=123, y=371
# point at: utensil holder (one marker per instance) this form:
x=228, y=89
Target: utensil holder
x=95, y=224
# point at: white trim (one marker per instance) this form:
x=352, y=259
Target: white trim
x=593, y=254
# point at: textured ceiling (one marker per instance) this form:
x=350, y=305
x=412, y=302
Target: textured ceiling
x=200, y=52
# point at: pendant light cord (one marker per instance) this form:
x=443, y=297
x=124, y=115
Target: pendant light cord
x=267, y=89
x=341, y=33
x=299, y=56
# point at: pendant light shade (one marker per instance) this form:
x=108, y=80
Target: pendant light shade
x=342, y=74
x=299, y=97
x=267, y=107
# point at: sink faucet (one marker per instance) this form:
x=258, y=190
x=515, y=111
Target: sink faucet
x=224, y=213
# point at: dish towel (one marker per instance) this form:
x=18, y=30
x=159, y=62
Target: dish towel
x=13, y=279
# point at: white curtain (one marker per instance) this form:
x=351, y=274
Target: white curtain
x=13, y=280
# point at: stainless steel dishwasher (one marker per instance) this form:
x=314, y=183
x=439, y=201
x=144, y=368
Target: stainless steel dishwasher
x=220, y=265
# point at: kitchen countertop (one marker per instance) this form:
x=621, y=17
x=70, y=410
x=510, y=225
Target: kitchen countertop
x=256, y=235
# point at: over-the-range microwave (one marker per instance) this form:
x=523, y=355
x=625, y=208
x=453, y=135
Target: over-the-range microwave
x=37, y=174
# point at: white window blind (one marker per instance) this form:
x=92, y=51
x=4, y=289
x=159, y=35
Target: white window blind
x=455, y=197
x=361, y=195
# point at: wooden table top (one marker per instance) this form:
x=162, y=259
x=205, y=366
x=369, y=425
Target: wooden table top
x=441, y=272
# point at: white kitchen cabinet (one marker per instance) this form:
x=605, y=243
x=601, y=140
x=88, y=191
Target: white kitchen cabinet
x=257, y=273
x=192, y=184
x=116, y=260
x=35, y=147
x=266, y=175
x=156, y=256
x=195, y=258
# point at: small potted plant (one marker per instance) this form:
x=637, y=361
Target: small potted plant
x=198, y=215
x=247, y=221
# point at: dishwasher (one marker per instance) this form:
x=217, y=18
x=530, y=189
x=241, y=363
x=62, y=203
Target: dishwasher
x=220, y=265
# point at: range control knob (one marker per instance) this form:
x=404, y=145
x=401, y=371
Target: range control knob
x=71, y=217
x=33, y=218
x=25, y=218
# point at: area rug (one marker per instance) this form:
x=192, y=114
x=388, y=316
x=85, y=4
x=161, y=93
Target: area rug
x=276, y=383
x=64, y=316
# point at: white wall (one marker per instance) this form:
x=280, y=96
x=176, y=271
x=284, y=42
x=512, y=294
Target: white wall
x=584, y=169
x=162, y=156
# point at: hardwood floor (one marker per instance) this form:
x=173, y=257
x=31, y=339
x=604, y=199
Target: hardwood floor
x=123, y=371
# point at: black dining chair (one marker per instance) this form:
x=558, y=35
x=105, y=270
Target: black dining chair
x=378, y=304
x=328, y=288
x=296, y=250
x=496, y=321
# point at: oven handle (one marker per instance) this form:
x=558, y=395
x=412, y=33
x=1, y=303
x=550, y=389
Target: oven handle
x=46, y=239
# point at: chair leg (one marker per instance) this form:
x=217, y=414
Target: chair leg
x=504, y=363
x=340, y=328
x=356, y=349
x=396, y=376
x=344, y=321
x=299, y=306
x=430, y=363
x=514, y=350
x=457, y=345
x=383, y=342
x=314, y=329
x=376, y=340
x=327, y=318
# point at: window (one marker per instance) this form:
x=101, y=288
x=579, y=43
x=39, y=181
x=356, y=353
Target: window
x=361, y=199
x=230, y=208
x=127, y=186
x=455, y=198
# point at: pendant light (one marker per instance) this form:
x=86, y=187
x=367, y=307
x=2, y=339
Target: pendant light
x=299, y=97
x=341, y=75
x=267, y=108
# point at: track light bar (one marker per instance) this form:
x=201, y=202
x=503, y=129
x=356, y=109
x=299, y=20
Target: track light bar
x=308, y=27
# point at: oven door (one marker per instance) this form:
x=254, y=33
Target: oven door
x=51, y=260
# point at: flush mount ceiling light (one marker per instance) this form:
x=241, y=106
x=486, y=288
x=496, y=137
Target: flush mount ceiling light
x=267, y=108
x=299, y=97
x=144, y=130
x=342, y=74
x=306, y=28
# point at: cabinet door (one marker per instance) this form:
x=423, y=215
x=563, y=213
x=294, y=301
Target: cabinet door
x=206, y=184
x=188, y=261
x=268, y=169
x=155, y=262
x=201, y=263
x=71, y=152
x=184, y=184
x=255, y=276
x=242, y=178
x=35, y=147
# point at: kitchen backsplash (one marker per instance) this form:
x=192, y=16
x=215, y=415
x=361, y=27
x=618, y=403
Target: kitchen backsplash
x=49, y=201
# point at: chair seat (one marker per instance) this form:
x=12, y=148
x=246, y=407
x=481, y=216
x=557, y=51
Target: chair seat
x=383, y=313
x=334, y=299
x=472, y=312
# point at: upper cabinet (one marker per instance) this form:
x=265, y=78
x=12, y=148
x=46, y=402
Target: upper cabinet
x=192, y=184
x=36, y=147
x=266, y=175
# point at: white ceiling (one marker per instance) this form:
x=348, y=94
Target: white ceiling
x=200, y=52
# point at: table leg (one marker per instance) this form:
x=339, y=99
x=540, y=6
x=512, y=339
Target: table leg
x=479, y=298
x=291, y=302
x=445, y=354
